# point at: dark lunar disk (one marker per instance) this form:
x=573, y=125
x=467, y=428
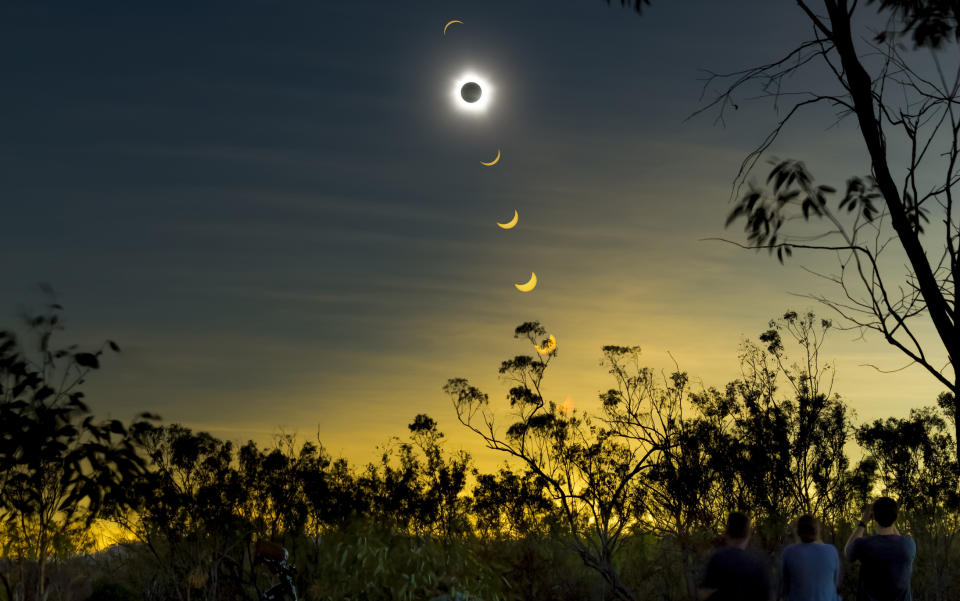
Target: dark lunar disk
x=470, y=91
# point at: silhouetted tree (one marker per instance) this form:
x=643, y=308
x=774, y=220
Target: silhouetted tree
x=58, y=466
x=423, y=494
x=690, y=490
x=819, y=427
x=781, y=455
x=286, y=485
x=651, y=474
x=189, y=511
x=510, y=505
x=897, y=105
x=915, y=460
x=592, y=471
x=929, y=22
x=333, y=495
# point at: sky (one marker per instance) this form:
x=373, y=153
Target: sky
x=279, y=214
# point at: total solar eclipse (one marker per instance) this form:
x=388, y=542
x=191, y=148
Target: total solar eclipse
x=471, y=91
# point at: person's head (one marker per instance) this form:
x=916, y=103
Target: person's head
x=738, y=526
x=808, y=528
x=885, y=511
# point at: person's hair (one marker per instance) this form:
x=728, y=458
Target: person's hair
x=738, y=525
x=885, y=511
x=807, y=528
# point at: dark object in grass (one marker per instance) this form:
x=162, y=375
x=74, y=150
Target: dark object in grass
x=105, y=590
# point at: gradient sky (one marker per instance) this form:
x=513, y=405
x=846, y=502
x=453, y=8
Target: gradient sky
x=275, y=210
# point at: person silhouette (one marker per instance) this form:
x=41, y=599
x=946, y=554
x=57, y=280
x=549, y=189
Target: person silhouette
x=809, y=569
x=886, y=558
x=734, y=572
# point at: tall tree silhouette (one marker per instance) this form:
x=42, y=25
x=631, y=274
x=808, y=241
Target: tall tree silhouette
x=58, y=466
x=593, y=468
x=187, y=510
x=899, y=105
x=511, y=505
x=421, y=492
x=789, y=446
x=916, y=462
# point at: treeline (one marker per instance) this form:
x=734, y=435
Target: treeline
x=624, y=504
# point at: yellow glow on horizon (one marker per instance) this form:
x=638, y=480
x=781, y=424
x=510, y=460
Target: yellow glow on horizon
x=107, y=534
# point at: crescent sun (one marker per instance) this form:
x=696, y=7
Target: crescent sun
x=530, y=285
x=508, y=225
x=449, y=24
x=494, y=161
x=549, y=347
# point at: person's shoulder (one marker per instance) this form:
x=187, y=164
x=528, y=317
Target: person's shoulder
x=731, y=553
x=792, y=549
x=854, y=548
x=720, y=553
x=721, y=558
x=817, y=548
x=829, y=550
x=727, y=553
x=792, y=553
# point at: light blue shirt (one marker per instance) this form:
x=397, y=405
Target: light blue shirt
x=810, y=572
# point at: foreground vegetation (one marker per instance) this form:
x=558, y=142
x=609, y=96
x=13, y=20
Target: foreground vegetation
x=622, y=504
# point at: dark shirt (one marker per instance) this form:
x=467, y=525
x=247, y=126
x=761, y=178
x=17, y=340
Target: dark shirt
x=738, y=575
x=886, y=561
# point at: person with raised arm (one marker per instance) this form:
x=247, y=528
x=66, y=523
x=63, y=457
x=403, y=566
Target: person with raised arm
x=886, y=558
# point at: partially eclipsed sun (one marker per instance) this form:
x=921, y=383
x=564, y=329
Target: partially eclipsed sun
x=567, y=406
x=495, y=160
x=508, y=225
x=449, y=24
x=530, y=285
x=549, y=347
